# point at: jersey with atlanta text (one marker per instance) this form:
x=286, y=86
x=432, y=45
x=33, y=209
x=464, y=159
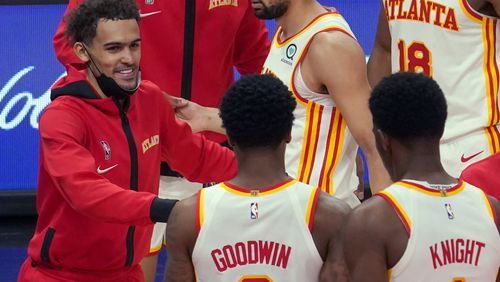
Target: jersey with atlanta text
x=458, y=47
x=452, y=234
x=322, y=151
x=256, y=235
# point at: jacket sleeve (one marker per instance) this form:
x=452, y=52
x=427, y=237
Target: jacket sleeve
x=192, y=155
x=72, y=171
x=62, y=47
x=251, y=44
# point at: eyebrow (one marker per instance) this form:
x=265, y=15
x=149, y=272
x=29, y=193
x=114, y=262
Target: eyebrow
x=114, y=43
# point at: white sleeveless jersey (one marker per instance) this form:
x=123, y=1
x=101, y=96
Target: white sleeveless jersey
x=256, y=236
x=451, y=238
x=459, y=48
x=322, y=151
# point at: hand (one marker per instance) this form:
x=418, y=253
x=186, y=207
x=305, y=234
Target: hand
x=176, y=102
x=193, y=114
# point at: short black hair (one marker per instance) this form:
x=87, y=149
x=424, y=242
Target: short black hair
x=257, y=111
x=81, y=23
x=407, y=106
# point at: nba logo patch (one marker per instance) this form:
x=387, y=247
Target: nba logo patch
x=449, y=211
x=254, y=210
x=149, y=2
x=106, y=149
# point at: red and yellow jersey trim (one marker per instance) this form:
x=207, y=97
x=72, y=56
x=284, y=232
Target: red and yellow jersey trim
x=262, y=192
x=200, y=209
x=469, y=12
x=293, y=88
x=491, y=75
x=252, y=278
x=398, y=209
x=333, y=151
x=490, y=207
x=280, y=43
x=432, y=192
x=310, y=143
x=311, y=207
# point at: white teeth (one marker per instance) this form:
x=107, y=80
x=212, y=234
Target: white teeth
x=126, y=71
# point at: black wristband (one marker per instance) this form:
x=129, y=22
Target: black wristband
x=161, y=209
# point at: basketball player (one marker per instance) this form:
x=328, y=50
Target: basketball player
x=455, y=42
x=316, y=55
x=427, y=226
x=189, y=50
x=261, y=225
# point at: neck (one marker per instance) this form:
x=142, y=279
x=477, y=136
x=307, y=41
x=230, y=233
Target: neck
x=298, y=15
x=421, y=161
x=93, y=83
x=260, y=168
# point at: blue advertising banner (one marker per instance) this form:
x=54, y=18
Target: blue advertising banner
x=28, y=69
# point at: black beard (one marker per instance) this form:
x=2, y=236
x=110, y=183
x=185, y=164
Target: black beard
x=271, y=12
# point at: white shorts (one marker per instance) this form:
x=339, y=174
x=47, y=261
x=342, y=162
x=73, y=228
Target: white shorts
x=458, y=154
x=170, y=188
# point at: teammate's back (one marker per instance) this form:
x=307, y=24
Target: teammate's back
x=428, y=225
x=451, y=236
x=261, y=225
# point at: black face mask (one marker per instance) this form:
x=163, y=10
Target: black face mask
x=109, y=86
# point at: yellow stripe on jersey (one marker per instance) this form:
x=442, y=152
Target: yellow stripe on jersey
x=389, y=274
x=491, y=78
x=333, y=153
x=488, y=206
x=251, y=194
x=278, y=44
x=396, y=204
x=310, y=138
x=430, y=192
x=310, y=204
x=201, y=205
x=469, y=12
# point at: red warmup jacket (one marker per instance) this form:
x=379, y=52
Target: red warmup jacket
x=484, y=175
x=190, y=51
x=92, y=157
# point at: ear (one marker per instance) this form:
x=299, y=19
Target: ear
x=383, y=139
x=288, y=137
x=231, y=143
x=80, y=52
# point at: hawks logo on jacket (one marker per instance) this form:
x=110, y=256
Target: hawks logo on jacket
x=107, y=149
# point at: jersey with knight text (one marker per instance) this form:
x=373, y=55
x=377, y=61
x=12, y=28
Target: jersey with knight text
x=452, y=232
x=322, y=151
x=458, y=47
x=256, y=235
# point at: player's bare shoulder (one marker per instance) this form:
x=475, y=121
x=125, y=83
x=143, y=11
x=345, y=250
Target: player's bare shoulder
x=329, y=218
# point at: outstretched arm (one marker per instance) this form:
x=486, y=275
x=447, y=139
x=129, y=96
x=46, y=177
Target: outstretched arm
x=379, y=65
x=180, y=238
x=336, y=61
x=329, y=219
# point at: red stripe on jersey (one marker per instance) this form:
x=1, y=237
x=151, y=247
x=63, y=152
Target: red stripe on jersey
x=316, y=139
x=313, y=209
x=471, y=11
x=398, y=212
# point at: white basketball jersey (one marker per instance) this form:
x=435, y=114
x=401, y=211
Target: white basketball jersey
x=256, y=236
x=322, y=151
x=452, y=235
x=455, y=45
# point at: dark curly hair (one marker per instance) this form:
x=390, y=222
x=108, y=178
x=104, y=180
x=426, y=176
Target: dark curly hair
x=407, y=106
x=81, y=23
x=257, y=111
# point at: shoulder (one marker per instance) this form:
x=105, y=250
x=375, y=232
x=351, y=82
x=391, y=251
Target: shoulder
x=181, y=225
x=334, y=41
x=66, y=110
x=330, y=214
x=372, y=218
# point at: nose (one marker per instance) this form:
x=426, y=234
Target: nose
x=127, y=56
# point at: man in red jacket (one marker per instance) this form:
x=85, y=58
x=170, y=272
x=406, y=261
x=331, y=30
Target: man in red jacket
x=483, y=174
x=189, y=50
x=101, y=142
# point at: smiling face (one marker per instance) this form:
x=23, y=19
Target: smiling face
x=116, y=51
x=270, y=9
